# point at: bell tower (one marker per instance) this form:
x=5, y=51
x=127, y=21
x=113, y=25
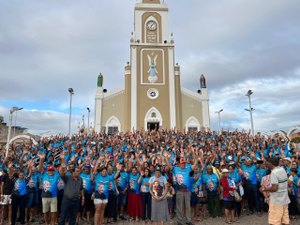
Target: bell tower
x=150, y=77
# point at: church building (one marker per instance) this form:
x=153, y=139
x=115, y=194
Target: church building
x=152, y=96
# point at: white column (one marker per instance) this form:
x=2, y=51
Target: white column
x=205, y=108
x=133, y=88
x=172, y=89
x=98, y=109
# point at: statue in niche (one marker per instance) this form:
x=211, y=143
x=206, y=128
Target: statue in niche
x=100, y=80
x=152, y=68
x=202, y=81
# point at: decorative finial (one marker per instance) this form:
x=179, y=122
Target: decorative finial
x=172, y=38
x=132, y=38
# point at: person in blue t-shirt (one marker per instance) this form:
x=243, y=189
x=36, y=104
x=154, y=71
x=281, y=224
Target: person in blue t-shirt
x=146, y=196
x=19, y=196
x=181, y=178
x=102, y=181
x=49, y=184
x=111, y=208
x=121, y=177
x=134, y=205
x=212, y=187
x=87, y=178
x=32, y=194
x=248, y=168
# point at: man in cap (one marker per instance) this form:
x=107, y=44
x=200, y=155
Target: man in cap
x=250, y=178
x=49, y=191
x=279, y=199
x=183, y=188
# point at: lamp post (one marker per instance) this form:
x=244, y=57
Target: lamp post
x=250, y=110
x=12, y=110
x=219, y=118
x=71, y=91
x=18, y=109
x=89, y=111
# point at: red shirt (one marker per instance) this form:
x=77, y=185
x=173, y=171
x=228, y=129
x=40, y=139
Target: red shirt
x=227, y=187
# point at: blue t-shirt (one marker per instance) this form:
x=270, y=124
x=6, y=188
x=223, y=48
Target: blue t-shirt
x=33, y=183
x=134, y=186
x=60, y=185
x=249, y=173
x=145, y=188
x=87, y=182
x=49, y=185
x=122, y=181
x=20, y=187
x=260, y=173
x=182, y=178
x=235, y=177
x=112, y=182
x=101, y=186
x=211, y=181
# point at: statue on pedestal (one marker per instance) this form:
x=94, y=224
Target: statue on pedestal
x=100, y=80
x=202, y=81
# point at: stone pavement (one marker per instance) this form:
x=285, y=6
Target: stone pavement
x=244, y=220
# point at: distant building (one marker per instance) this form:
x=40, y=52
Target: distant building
x=153, y=96
x=15, y=130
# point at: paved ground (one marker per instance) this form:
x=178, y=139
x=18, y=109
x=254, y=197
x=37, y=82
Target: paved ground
x=245, y=220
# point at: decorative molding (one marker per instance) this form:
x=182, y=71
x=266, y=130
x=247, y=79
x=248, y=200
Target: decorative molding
x=113, y=121
x=192, y=122
x=148, y=117
x=163, y=66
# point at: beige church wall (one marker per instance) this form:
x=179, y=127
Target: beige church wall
x=191, y=107
x=162, y=102
x=114, y=106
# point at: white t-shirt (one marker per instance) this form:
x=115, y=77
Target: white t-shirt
x=279, y=177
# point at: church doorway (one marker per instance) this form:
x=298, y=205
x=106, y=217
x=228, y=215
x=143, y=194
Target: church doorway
x=152, y=126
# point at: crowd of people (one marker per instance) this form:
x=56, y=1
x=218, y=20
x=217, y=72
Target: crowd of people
x=150, y=176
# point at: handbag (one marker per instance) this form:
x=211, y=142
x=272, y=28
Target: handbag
x=237, y=196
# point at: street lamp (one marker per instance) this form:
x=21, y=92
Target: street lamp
x=250, y=110
x=89, y=111
x=71, y=91
x=12, y=110
x=219, y=118
x=18, y=109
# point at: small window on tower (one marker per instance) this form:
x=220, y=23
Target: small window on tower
x=153, y=115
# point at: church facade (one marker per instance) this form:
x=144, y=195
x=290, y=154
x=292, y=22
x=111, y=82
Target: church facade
x=152, y=96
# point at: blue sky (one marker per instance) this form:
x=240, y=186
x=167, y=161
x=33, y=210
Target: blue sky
x=51, y=45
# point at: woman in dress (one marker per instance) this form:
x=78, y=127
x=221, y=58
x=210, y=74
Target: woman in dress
x=158, y=191
x=134, y=205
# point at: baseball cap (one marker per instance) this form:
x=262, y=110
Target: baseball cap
x=158, y=169
x=225, y=171
x=50, y=168
x=182, y=160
